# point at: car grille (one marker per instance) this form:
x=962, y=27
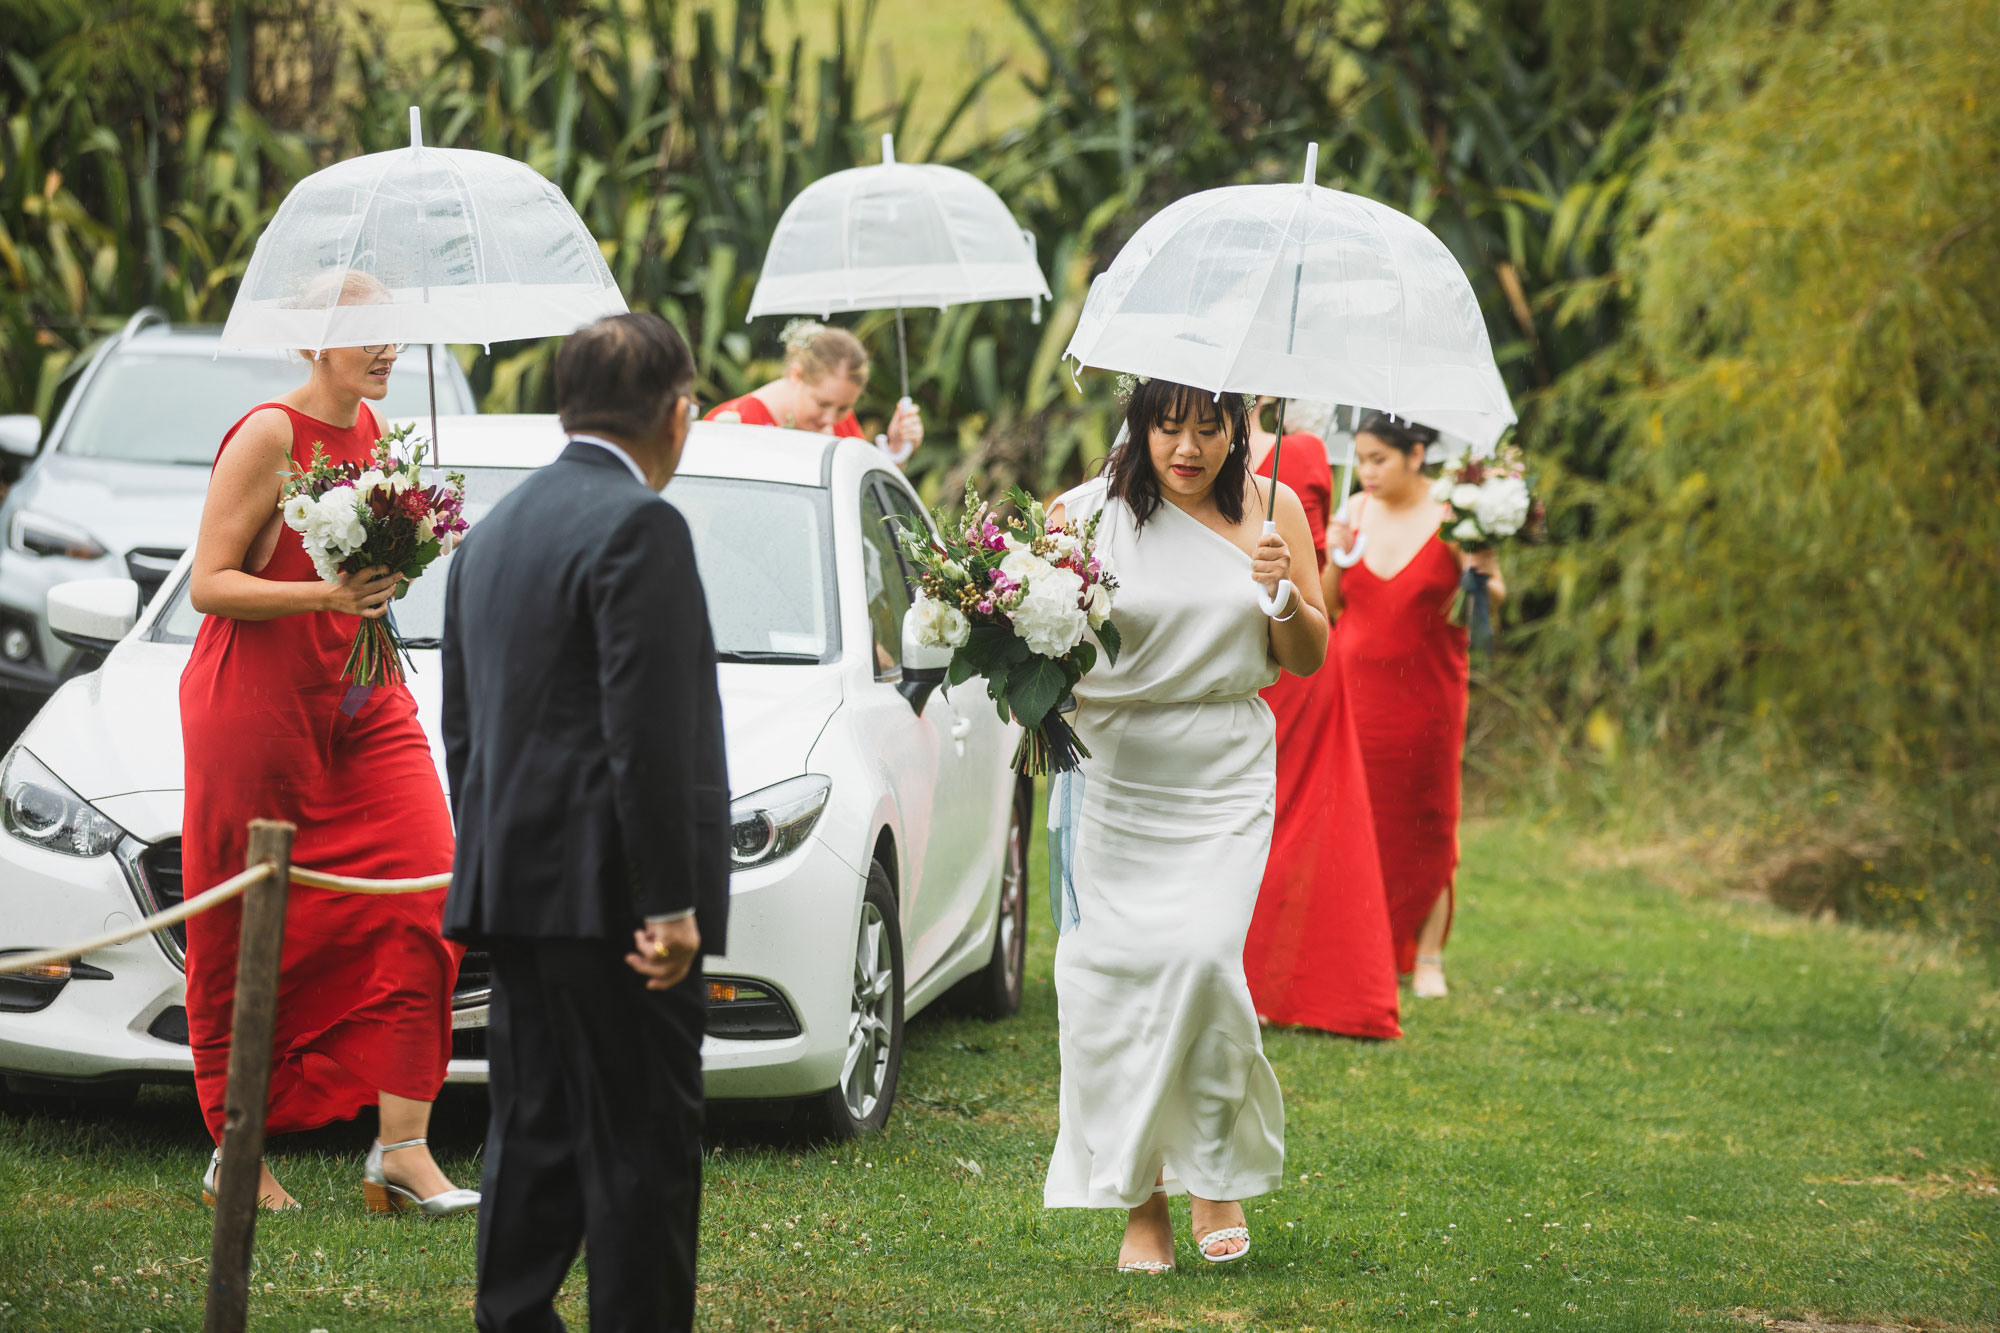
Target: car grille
x=156, y=875
x=149, y=567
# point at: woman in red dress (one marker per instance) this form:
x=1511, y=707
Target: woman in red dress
x=1407, y=679
x=825, y=371
x=1318, y=953
x=271, y=730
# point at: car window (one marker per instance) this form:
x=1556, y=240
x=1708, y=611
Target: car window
x=763, y=550
x=161, y=407
x=888, y=592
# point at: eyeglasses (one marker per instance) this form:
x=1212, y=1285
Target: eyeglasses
x=376, y=349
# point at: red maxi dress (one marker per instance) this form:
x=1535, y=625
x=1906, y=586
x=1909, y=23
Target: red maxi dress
x=270, y=730
x=1407, y=678
x=1318, y=953
x=750, y=411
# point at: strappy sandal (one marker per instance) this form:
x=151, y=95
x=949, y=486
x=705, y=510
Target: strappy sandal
x=1201, y=1244
x=1150, y=1267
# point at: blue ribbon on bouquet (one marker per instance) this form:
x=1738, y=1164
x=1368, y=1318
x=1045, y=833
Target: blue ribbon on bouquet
x=1065, y=812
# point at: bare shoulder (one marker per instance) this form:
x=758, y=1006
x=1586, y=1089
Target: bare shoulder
x=265, y=433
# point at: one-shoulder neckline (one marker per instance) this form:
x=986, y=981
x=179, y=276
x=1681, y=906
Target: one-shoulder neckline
x=1246, y=557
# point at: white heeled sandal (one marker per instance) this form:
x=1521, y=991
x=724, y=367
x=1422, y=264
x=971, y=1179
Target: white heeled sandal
x=1427, y=981
x=1201, y=1244
x=1150, y=1267
x=214, y=1172
x=383, y=1196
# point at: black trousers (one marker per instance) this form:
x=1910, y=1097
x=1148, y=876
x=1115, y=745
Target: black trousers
x=596, y=1134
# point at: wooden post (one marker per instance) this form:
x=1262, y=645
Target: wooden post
x=252, y=1034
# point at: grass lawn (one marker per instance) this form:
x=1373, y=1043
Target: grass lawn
x=1636, y=1111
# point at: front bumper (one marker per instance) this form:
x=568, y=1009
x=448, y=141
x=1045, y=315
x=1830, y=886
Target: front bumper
x=791, y=926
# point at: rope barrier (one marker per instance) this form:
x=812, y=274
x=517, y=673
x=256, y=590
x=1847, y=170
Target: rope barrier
x=319, y=879
x=215, y=897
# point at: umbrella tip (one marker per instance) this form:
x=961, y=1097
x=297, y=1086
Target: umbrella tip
x=1312, y=163
x=888, y=150
x=416, y=127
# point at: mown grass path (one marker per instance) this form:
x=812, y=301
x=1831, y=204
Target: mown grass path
x=1635, y=1112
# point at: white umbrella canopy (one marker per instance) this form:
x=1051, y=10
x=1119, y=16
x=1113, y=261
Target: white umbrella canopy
x=895, y=234
x=460, y=246
x=1297, y=291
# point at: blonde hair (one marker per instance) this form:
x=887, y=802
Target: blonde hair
x=340, y=286
x=819, y=350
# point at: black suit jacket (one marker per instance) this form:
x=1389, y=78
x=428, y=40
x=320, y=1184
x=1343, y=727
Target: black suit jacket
x=582, y=725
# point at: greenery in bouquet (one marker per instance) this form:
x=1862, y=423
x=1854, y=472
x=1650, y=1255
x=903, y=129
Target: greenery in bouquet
x=1017, y=603
x=353, y=516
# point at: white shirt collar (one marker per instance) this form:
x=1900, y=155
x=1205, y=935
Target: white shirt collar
x=616, y=452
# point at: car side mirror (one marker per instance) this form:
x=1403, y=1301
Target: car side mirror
x=20, y=434
x=924, y=664
x=93, y=614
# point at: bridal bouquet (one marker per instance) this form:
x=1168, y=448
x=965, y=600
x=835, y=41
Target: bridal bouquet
x=1486, y=503
x=350, y=517
x=1013, y=603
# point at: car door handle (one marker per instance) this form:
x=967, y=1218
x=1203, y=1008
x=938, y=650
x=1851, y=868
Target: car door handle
x=961, y=728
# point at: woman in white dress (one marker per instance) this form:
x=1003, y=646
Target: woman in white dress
x=1165, y=1089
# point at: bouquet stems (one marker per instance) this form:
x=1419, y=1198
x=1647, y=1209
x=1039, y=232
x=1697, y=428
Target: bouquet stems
x=1472, y=605
x=378, y=657
x=1052, y=745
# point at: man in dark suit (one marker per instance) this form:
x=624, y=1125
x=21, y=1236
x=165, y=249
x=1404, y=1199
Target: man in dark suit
x=583, y=739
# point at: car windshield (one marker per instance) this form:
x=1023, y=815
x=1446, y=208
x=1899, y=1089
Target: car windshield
x=160, y=407
x=764, y=551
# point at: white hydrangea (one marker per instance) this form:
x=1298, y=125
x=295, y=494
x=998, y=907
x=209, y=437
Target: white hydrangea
x=1466, y=531
x=1464, y=496
x=1502, y=506
x=1050, y=617
x=324, y=565
x=939, y=625
x=335, y=525
x=1024, y=566
x=1441, y=490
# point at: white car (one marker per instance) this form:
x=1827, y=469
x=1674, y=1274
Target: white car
x=879, y=834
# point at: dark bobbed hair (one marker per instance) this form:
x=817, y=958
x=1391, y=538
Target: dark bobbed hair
x=1402, y=436
x=621, y=375
x=1161, y=402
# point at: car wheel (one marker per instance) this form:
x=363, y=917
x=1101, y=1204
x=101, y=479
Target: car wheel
x=994, y=991
x=859, y=1104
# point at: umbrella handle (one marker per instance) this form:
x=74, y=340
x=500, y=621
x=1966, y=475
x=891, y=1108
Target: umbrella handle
x=1273, y=604
x=898, y=456
x=1351, y=557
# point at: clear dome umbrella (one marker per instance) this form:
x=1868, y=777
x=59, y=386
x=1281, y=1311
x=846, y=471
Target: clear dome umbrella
x=421, y=244
x=894, y=235
x=1295, y=291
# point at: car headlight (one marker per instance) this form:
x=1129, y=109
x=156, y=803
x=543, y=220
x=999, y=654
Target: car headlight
x=769, y=825
x=38, y=534
x=37, y=806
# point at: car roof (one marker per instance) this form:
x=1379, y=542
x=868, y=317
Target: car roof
x=714, y=449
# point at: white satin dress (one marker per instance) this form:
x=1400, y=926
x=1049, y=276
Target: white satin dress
x=1162, y=1065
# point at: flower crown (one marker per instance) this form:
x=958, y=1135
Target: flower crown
x=1128, y=384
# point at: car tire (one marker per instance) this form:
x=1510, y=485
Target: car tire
x=860, y=1102
x=994, y=991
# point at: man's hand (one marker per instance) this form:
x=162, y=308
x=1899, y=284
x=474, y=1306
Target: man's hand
x=666, y=950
